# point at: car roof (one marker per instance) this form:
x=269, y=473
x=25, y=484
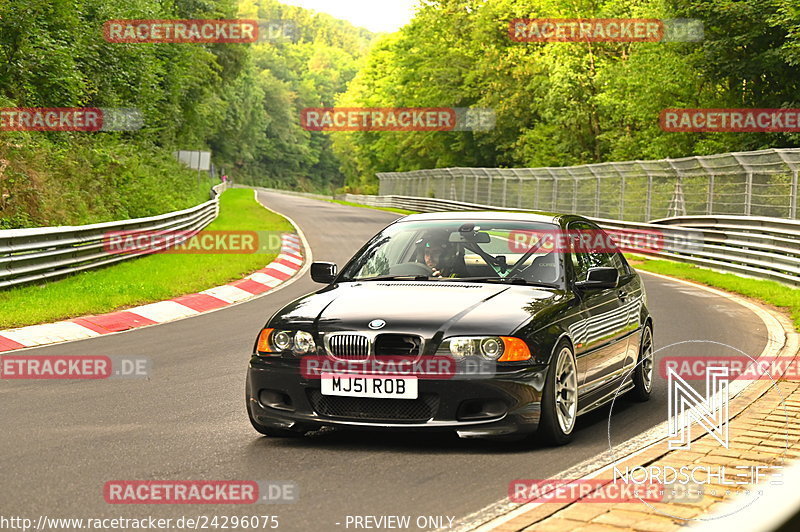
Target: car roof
x=529, y=216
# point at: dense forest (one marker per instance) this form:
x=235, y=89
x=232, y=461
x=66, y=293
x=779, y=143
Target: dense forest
x=556, y=103
x=263, y=138
x=564, y=103
x=241, y=101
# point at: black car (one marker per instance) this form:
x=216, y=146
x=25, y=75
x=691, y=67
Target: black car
x=563, y=327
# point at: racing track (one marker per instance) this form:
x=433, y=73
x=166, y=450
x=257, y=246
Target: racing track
x=61, y=441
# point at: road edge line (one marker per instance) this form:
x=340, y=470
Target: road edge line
x=504, y=511
x=81, y=328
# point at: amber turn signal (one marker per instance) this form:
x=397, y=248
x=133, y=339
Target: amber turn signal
x=263, y=345
x=515, y=349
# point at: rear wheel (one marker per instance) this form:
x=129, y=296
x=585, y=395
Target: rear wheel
x=643, y=372
x=560, y=398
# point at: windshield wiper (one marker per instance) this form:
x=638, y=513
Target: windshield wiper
x=507, y=280
x=393, y=278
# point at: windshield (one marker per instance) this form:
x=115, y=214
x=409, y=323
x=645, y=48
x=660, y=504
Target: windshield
x=479, y=251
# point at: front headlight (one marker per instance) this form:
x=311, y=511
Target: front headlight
x=282, y=340
x=463, y=347
x=303, y=343
x=499, y=348
x=273, y=342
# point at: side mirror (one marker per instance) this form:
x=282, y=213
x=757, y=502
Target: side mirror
x=600, y=278
x=323, y=272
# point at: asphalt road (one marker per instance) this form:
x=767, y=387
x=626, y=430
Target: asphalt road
x=61, y=441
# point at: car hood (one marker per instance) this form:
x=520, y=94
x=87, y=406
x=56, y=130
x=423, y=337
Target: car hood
x=420, y=307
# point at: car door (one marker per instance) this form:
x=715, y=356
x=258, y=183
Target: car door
x=601, y=334
x=631, y=295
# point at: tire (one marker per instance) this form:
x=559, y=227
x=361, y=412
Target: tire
x=274, y=432
x=560, y=397
x=643, y=372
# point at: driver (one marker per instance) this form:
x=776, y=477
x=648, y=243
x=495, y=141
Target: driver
x=439, y=254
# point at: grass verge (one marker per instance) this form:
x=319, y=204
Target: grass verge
x=771, y=292
x=147, y=279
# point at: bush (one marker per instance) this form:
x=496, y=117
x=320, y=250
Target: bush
x=91, y=179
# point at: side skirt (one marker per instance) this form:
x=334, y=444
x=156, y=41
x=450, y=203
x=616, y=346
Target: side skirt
x=607, y=398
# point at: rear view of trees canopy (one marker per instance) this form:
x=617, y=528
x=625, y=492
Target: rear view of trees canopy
x=571, y=103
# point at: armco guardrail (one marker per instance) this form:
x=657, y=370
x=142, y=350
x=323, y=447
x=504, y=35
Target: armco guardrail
x=39, y=253
x=754, y=183
x=767, y=248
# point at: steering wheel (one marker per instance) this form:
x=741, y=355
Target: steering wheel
x=410, y=268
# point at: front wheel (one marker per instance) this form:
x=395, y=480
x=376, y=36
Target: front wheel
x=560, y=398
x=643, y=372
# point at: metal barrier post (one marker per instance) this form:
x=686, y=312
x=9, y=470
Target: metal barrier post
x=575, y=195
x=748, y=197
x=710, y=201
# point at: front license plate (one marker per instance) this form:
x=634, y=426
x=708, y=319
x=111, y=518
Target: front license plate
x=368, y=386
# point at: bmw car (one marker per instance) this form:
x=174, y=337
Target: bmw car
x=558, y=329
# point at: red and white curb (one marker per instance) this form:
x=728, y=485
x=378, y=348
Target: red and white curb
x=285, y=266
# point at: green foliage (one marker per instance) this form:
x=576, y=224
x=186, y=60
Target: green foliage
x=556, y=103
x=52, y=54
x=290, y=75
x=570, y=103
x=240, y=101
x=89, y=180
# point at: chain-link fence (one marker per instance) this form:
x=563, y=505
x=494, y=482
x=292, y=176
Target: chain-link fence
x=757, y=183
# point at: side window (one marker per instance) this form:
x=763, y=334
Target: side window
x=580, y=265
x=619, y=263
x=583, y=259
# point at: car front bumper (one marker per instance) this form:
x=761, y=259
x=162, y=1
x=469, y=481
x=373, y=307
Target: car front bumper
x=504, y=404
